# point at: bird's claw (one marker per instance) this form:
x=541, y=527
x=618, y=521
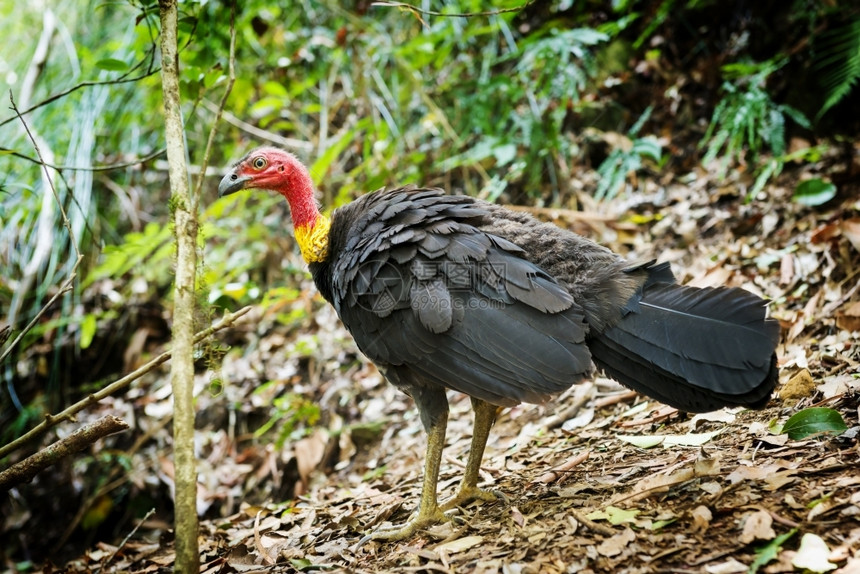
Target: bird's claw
x=418, y=521
x=467, y=494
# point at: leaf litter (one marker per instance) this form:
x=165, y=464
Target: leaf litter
x=590, y=490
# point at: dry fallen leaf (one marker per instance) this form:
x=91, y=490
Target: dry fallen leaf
x=731, y=566
x=701, y=518
x=848, y=318
x=757, y=526
x=614, y=545
x=812, y=554
x=720, y=416
x=460, y=544
x=851, y=230
x=851, y=567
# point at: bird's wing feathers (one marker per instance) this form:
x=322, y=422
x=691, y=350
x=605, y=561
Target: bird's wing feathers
x=425, y=292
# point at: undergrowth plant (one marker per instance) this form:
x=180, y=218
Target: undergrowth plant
x=747, y=122
x=623, y=161
x=838, y=60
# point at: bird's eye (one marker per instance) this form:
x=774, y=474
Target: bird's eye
x=259, y=162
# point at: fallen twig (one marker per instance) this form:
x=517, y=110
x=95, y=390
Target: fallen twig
x=67, y=414
x=25, y=470
x=563, y=468
x=127, y=538
x=614, y=399
x=590, y=524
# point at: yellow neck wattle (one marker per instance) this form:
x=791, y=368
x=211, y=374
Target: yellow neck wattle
x=313, y=240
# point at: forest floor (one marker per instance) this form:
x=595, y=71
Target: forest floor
x=600, y=480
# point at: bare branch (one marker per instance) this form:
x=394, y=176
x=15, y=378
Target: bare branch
x=292, y=144
x=108, y=167
x=124, y=79
x=70, y=412
x=25, y=470
x=128, y=537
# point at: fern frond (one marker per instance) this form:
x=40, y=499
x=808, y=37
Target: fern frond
x=840, y=63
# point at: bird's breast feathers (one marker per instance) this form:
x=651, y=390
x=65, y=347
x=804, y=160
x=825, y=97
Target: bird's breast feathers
x=313, y=240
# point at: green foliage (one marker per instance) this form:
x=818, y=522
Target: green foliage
x=396, y=102
x=838, y=59
x=769, y=552
x=747, y=120
x=813, y=420
x=149, y=253
x=292, y=414
x=814, y=192
x=623, y=161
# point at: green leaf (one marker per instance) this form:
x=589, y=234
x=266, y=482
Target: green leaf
x=646, y=441
x=812, y=421
x=614, y=515
x=649, y=147
x=814, y=192
x=88, y=330
x=769, y=551
x=112, y=65
x=838, y=59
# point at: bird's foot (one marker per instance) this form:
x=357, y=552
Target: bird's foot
x=467, y=494
x=418, y=521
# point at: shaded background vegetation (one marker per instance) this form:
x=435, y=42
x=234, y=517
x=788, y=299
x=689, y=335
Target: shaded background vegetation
x=560, y=103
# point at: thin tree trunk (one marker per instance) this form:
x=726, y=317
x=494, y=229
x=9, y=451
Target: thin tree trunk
x=184, y=208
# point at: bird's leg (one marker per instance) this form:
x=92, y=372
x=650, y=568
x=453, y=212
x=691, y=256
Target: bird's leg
x=485, y=416
x=433, y=408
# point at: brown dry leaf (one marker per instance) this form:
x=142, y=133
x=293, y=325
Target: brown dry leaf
x=460, y=544
x=850, y=567
x=720, y=416
x=820, y=508
x=731, y=566
x=662, y=482
x=701, y=518
x=309, y=452
x=813, y=554
x=780, y=479
x=824, y=233
x=614, y=545
x=848, y=319
x=517, y=517
x=839, y=385
x=758, y=472
x=757, y=526
x=851, y=230
x=714, y=277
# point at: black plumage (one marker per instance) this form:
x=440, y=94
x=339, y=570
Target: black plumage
x=449, y=292
x=454, y=292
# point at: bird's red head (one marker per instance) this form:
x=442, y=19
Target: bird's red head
x=277, y=170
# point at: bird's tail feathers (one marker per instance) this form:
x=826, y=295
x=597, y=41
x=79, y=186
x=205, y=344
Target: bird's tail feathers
x=695, y=349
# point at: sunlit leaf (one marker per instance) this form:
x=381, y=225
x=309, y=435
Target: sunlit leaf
x=812, y=421
x=768, y=552
x=88, y=330
x=646, y=441
x=112, y=65
x=814, y=192
x=614, y=515
x=813, y=554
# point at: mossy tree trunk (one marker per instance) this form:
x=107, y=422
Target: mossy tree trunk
x=184, y=208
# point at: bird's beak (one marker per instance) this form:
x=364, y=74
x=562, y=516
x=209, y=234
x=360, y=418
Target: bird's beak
x=232, y=183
